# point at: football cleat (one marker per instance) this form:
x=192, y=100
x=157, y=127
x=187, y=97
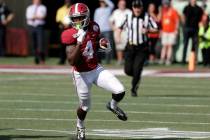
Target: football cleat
x=80, y=133
x=134, y=92
x=118, y=112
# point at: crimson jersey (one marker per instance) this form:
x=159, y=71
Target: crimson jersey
x=88, y=50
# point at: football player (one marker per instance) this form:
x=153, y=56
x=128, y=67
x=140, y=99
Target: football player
x=82, y=41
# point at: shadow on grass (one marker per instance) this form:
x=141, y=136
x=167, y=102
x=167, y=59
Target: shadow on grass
x=21, y=137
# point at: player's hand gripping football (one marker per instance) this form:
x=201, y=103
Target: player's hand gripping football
x=104, y=45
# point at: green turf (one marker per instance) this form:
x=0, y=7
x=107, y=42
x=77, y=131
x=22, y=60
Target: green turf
x=161, y=101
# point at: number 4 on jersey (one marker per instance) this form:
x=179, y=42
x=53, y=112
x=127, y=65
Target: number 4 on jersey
x=88, y=52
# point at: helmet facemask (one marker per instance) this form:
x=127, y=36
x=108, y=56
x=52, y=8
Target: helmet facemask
x=79, y=21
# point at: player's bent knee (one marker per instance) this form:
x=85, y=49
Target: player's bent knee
x=85, y=108
x=118, y=97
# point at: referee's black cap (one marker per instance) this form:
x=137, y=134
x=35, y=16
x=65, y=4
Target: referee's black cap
x=137, y=3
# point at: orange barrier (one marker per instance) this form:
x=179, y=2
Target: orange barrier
x=192, y=59
x=17, y=42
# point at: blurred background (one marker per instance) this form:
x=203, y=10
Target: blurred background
x=18, y=42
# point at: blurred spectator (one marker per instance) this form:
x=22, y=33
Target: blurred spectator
x=204, y=39
x=35, y=16
x=169, y=24
x=192, y=14
x=101, y=16
x=138, y=24
x=63, y=23
x=153, y=36
x=116, y=20
x=6, y=16
x=205, y=13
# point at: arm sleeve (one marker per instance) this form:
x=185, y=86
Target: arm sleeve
x=42, y=12
x=109, y=3
x=112, y=17
x=95, y=17
x=28, y=14
x=58, y=15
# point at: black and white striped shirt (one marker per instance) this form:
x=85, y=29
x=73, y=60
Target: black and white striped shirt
x=135, y=25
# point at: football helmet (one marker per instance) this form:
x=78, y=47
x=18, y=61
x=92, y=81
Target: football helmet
x=79, y=15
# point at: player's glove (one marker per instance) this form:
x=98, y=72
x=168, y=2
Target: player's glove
x=80, y=35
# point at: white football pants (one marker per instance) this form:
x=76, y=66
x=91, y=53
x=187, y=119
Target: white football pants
x=100, y=77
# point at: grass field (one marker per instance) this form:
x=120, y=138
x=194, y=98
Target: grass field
x=42, y=107
x=52, y=61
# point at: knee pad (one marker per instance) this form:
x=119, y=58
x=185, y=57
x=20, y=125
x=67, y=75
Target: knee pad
x=118, y=97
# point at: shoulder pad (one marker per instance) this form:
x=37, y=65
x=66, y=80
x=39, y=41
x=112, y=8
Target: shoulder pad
x=95, y=27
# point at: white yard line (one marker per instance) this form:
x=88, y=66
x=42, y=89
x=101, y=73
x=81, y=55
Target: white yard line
x=40, y=95
x=103, y=111
x=152, y=133
x=155, y=73
x=70, y=95
x=99, y=120
x=149, y=133
x=35, y=71
x=186, y=75
x=23, y=78
x=45, y=130
x=99, y=103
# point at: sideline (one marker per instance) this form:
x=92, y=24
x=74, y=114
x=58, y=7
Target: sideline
x=119, y=72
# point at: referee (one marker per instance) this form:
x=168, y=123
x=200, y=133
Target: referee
x=138, y=24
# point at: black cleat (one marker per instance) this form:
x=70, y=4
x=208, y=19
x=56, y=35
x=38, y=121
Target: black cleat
x=134, y=94
x=80, y=134
x=118, y=112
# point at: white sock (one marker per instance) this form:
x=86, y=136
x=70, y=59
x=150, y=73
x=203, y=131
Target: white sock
x=80, y=123
x=113, y=104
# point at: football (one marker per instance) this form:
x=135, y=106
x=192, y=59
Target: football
x=104, y=43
